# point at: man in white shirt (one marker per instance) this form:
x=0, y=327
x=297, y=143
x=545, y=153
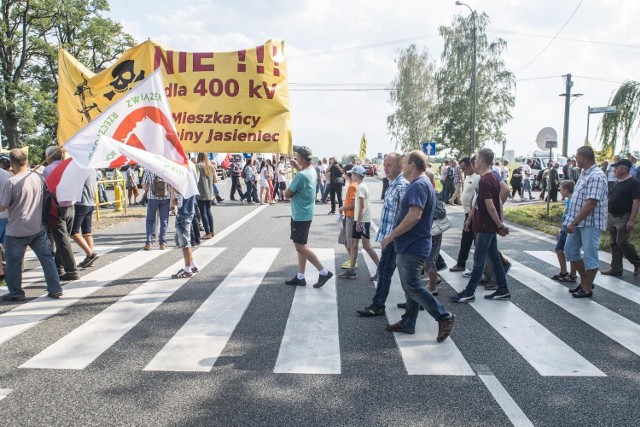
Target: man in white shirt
x=471, y=179
x=526, y=179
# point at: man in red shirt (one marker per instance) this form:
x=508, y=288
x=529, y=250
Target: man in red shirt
x=487, y=224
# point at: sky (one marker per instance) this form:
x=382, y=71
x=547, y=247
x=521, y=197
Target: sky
x=340, y=56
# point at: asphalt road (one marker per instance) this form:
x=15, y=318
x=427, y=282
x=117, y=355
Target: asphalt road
x=235, y=346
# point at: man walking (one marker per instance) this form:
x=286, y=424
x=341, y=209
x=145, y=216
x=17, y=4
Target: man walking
x=397, y=185
x=585, y=220
x=487, y=224
x=236, y=171
x=302, y=195
x=471, y=180
x=65, y=261
x=158, y=204
x=22, y=195
x=624, y=202
x=412, y=239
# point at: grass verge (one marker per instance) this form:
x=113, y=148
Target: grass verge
x=535, y=216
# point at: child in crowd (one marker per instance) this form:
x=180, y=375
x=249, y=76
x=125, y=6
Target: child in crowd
x=362, y=223
x=347, y=209
x=566, y=190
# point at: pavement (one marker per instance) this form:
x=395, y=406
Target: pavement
x=234, y=345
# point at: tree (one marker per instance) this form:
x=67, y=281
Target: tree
x=30, y=33
x=413, y=94
x=618, y=127
x=494, y=86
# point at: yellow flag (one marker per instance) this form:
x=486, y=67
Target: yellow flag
x=225, y=102
x=363, y=148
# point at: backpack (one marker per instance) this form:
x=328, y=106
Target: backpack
x=159, y=187
x=242, y=174
x=50, y=206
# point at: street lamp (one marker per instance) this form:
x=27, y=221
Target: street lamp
x=474, y=71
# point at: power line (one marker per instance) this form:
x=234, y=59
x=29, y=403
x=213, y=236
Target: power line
x=613, y=44
x=553, y=39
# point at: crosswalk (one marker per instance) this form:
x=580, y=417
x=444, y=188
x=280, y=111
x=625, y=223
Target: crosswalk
x=310, y=343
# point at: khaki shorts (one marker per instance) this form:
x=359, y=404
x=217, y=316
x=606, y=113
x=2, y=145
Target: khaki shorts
x=345, y=236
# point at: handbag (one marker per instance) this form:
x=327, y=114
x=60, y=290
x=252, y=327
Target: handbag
x=440, y=225
x=338, y=181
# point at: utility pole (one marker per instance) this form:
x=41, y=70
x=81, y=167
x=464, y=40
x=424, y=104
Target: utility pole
x=567, y=105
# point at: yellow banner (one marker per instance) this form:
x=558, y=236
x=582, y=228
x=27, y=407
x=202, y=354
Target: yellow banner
x=223, y=102
x=363, y=148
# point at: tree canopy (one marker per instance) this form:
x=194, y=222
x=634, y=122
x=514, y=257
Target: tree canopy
x=617, y=129
x=30, y=33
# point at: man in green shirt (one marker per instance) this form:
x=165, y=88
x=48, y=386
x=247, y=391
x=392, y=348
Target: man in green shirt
x=302, y=192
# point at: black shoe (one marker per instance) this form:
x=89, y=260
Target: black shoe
x=403, y=305
x=611, y=273
x=88, y=261
x=331, y=213
x=371, y=311
x=322, y=279
x=445, y=327
x=491, y=287
x=582, y=294
x=457, y=268
x=8, y=297
x=498, y=295
x=296, y=282
x=57, y=295
x=67, y=277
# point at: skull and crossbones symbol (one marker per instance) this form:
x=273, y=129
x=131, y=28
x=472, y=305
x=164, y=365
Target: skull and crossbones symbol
x=123, y=74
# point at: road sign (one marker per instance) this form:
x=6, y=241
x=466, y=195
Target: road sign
x=429, y=148
x=598, y=110
x=551, y=144
x=379, y=155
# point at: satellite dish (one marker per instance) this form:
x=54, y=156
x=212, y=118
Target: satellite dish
x=546, y=134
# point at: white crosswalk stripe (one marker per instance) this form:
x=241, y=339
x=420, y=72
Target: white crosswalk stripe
x=606, y=257
x=612, y=325
x=610, y=283
x=548, y=355
x=421, y=354
x=35, y=275
x=27, y=315
x=199, y=343
x=311, y=344
x=83, y=345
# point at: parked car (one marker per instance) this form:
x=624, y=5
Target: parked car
x=538, y=166
x=370, y=170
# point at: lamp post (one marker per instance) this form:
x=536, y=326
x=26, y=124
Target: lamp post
x=474, y=72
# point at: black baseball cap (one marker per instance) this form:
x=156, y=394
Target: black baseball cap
x=622, y=162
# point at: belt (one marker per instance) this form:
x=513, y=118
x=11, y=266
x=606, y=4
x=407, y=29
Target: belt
x=619, y=215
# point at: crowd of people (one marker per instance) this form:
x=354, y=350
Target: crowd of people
x=413, y=218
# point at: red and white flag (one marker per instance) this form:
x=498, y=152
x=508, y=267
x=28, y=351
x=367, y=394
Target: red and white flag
x=66, y=181
x=141, y=119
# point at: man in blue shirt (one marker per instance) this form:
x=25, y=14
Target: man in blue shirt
x=397, y=185
x=302, y=193
x=412, y=239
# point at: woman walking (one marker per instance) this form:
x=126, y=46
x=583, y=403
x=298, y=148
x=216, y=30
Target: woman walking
x=336, y=175
x=205, y=198
x=516, y=183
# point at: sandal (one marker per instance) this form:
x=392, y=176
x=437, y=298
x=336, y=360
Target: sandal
x=568, y=279
x=560, y=276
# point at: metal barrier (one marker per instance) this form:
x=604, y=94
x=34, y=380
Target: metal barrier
x=119, y=201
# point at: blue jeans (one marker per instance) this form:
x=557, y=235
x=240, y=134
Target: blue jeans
x=386, y=267
x=14, y=249
x=252, y=192
x=487, y=247
x=206, y=215
x=526, y=186
x=161, y=206
x=409, y=267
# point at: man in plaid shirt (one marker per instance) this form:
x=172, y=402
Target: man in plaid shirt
x=397, y=185
x=585, y=220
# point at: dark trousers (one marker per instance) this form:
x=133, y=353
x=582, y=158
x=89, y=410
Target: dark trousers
x=465, y=244
x=60, y=234
x=205, y=213
x=386, y=268
x=235, y=186
x=385, y=186
x=252, y=192
x=553, y=193
x=335, y=190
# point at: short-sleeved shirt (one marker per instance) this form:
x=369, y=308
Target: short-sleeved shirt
x=132, y=177
x=391, y=206
x=469, y=190
x=622, y=196
x=22, y=195
x=417, y=241
x=362, y=192
x=4, y=177
x=592, y=184
x=488, y=189
x=350, y=198
x=303, y=187
x=88, y=190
